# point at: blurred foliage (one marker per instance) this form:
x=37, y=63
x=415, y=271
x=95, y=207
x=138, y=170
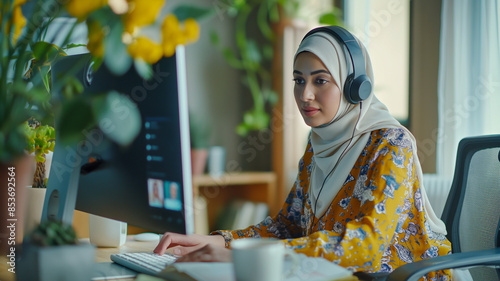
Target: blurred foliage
x=53, y=233
x=116, y=38
x=254, y=53
x=199, y=130
x=254, y=50
x=41, y=140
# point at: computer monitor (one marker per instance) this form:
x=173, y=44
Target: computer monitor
x=146, y=184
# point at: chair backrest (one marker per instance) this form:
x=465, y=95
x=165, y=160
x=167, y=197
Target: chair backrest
x=472, y=210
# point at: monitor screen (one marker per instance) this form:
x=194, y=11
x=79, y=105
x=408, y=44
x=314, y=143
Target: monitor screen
x=148, y=183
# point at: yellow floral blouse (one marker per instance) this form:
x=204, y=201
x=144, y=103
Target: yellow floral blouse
x=375, y=223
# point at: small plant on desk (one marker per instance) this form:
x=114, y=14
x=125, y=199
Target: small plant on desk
x=53, y=233
x=52, y=252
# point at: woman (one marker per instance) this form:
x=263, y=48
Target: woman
x=358, y=199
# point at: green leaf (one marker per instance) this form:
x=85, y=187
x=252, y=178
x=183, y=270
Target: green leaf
x=261, y=119
x=76, y=116
x=271, y=96
x=268, y=52
x=331, y=18
x=263, y=22
x=116, y=58
x=71, y=88
x=253, y=52
x=45, y=52
x=117, y=116
x=144, y=69
x=34, y=95
x=242, y=130
x=72, y=45
x=214, y=38
x=183, y=12
x=255, y=120
x=231, y=58
x=274, y=13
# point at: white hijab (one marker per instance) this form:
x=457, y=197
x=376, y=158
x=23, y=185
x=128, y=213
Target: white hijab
x=330, y=141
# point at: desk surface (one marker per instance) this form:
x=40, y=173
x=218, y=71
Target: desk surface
x=102, y=255
x=131, y=246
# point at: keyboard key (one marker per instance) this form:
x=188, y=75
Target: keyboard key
x=149, y=263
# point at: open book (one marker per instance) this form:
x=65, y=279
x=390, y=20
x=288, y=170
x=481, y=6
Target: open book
x=309, y=269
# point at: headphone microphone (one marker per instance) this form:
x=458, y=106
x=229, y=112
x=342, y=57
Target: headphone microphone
x=358, y=85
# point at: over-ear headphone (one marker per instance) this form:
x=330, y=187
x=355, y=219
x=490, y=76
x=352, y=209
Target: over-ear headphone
x=358, y=85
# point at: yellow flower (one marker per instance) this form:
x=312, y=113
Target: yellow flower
x=141, y=13
x=145, y=49
x=17, y=20
x=96, y=37
x=191, y=30
x=174, y=34
x=82, y=8
x=171, y=35
x=168, y=49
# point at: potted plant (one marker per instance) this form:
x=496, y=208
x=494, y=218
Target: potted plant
x=117, y=37
x=52, y=252
x=40, y=143
x=199, y=131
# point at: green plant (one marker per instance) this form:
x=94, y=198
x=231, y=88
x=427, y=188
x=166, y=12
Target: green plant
x=53, y=233
x=199, y=131
x=253, y=56
x=41, y=140
x=254, y=52
x=116, y=38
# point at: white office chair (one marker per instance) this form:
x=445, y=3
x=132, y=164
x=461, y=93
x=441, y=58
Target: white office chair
x=471, y=215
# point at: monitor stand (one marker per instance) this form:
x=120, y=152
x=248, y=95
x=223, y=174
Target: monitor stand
x=62, y=186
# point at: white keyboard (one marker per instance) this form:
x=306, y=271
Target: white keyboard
x=149, y=263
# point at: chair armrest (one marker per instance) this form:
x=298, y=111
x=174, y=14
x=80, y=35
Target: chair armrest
x=413, y=271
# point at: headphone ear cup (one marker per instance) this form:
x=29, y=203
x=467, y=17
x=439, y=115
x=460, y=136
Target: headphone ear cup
x=347, y=89
x=358, y=89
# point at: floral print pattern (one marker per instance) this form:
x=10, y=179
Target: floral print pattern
x=376, y=222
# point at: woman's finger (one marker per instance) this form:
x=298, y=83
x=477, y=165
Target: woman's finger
x=170, y=240
x=163, y=244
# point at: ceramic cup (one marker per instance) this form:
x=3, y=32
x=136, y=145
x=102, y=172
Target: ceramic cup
x=261, y=259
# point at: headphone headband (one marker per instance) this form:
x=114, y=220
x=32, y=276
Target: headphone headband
x=357, y=86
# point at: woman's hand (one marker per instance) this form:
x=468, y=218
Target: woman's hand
x=208, y=253
x=185, y=244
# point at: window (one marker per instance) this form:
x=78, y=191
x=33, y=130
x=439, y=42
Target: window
x=384, y=27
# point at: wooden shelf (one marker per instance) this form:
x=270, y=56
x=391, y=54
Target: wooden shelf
x=253, y=186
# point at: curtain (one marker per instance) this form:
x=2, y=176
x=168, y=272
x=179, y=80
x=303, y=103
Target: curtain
x=469, y=76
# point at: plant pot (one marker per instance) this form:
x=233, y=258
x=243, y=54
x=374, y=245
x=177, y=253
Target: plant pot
x=104, y=232
x=67, y=262
x=33, y=215
x=198, y=160
x=35, y=199
x=14, y=177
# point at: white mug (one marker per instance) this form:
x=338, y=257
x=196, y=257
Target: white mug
x=261, y=259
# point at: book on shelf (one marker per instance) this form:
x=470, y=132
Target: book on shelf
x=239, y=214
